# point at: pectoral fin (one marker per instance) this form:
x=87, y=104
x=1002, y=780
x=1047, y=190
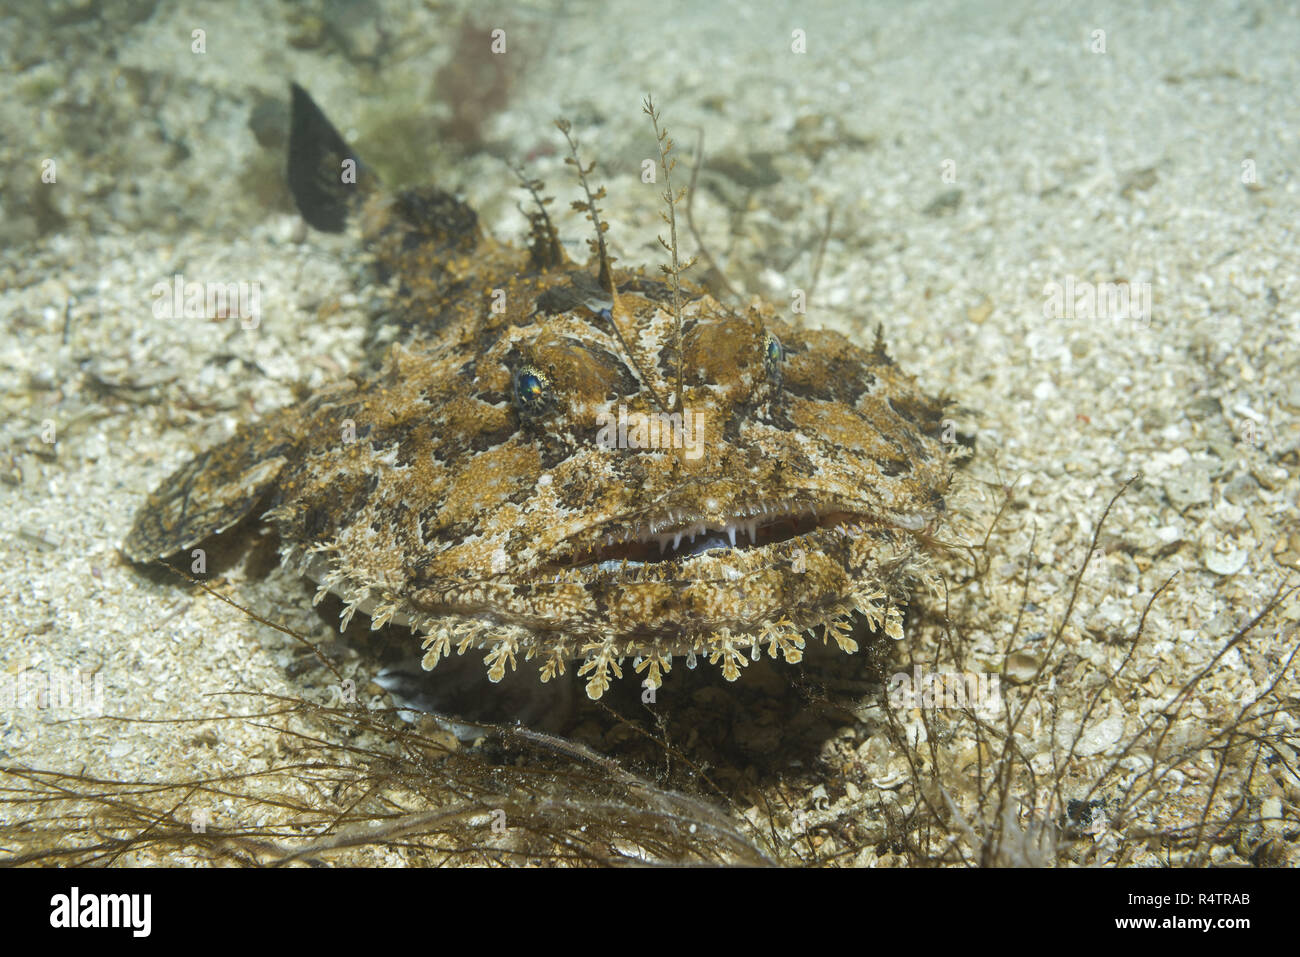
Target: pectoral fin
x=211, y=492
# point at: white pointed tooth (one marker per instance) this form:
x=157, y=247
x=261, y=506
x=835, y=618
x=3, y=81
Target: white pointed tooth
x=752, y=528
x=731, y=534
x=677, y=539
x=663, y=541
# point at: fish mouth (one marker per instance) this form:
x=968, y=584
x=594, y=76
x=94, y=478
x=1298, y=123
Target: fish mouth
x=679, y=537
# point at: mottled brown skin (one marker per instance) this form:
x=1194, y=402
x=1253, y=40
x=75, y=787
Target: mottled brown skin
x=431, y=493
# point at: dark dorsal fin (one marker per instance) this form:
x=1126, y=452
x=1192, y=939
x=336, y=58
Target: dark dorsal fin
x=322, y=190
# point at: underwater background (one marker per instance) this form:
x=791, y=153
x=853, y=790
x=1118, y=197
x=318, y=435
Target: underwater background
x=1079, y=224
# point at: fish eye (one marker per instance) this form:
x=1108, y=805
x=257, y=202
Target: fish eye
x=773, y=355
x=532, y=390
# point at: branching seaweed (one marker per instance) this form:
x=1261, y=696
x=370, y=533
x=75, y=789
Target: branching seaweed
x=544, y=246
x=605, y=272
x=675, y=268
x=357, y=779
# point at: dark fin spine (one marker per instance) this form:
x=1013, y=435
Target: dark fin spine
x=325, y=176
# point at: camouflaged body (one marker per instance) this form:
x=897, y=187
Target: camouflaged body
x=431, y=493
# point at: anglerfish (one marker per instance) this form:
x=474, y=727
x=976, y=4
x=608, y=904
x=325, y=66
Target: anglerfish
x=581, y=465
